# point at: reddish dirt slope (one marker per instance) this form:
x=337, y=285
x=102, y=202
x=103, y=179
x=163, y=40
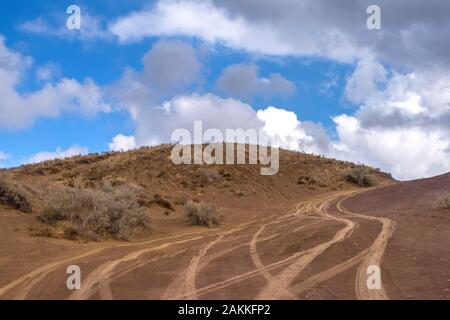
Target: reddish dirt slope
x=280, y=239
x=417, y=259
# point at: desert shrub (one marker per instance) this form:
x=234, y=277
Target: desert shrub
x=132, y=223
x=181, y=200
x=13, y=194
x=225, y=174
x=313, y=180
x=83, y=160
x=163, y=203
x=160, y=174
x=360, y=176
x=202, y=214
x=50, y=216
x=205, y=177
x=443, y=201
x=210, y=175
x=70, y=233
x=116, y=213
x=41, y=231
x=66, y=204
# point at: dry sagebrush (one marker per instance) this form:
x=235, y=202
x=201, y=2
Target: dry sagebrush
x=13, y=194
x=202, y=214
x=443, y=201
x=360, y=176
x=113, y=212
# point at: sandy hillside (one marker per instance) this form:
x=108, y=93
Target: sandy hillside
x=308, y=232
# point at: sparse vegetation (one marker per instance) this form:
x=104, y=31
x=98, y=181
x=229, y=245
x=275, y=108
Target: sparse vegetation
x=13, y=194
x=225, y=174
x=313, y=180
x=41, y=231
x=115, y=213
x=181, y=200
x=70, y=233
x=360, y=176
x=101, y=196
x=202, y=214
x=205, y=177
x=443, y=201
x=161, y=174
x=163, y=203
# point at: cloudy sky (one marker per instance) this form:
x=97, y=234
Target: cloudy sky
x=308, y=73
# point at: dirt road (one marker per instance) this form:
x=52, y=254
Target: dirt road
x=322, y=248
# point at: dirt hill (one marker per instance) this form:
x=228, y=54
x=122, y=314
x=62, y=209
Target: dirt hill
x=148, y=177
x=141, y=227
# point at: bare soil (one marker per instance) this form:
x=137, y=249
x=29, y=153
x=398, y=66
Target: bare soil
x=279, y=240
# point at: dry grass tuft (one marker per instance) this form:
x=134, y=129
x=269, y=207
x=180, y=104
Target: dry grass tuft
x=41, y=231
x=313, y=180
x=443, y=201
x=181, y=200
x=163, y=203
x=202, y=214
x=360, y=176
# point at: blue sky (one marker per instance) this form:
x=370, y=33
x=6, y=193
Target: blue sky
x=336, y=77
x=104, y=62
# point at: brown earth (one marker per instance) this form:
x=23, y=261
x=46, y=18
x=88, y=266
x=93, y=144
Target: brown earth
x=280, y=239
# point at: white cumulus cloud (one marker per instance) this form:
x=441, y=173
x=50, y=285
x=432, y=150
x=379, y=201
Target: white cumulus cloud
x=19, y=110
x=93, y=28
x=3, y=156
x=402, y=122
x=156, y=124
x=58, y=154
x=122, y=143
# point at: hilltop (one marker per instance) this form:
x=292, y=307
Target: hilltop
x=140, y=195
x=163, y=188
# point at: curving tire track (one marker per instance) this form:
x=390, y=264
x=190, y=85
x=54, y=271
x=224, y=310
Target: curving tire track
x=185, y=282
x=97, y=277
x=279, y=275
x=374, y=256
x=371, y=256
x=279, y=287
x=19, y=288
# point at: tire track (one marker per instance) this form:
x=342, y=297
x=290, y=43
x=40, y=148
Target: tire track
x=261, y=268
x=24, y=284
x=105, y=271
x=278, y=287
x=105, y=290
x=373, y=257
x=185, y=282
x=302, y=208
x=103, y=275
x=370, y=256
x=27, y=282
